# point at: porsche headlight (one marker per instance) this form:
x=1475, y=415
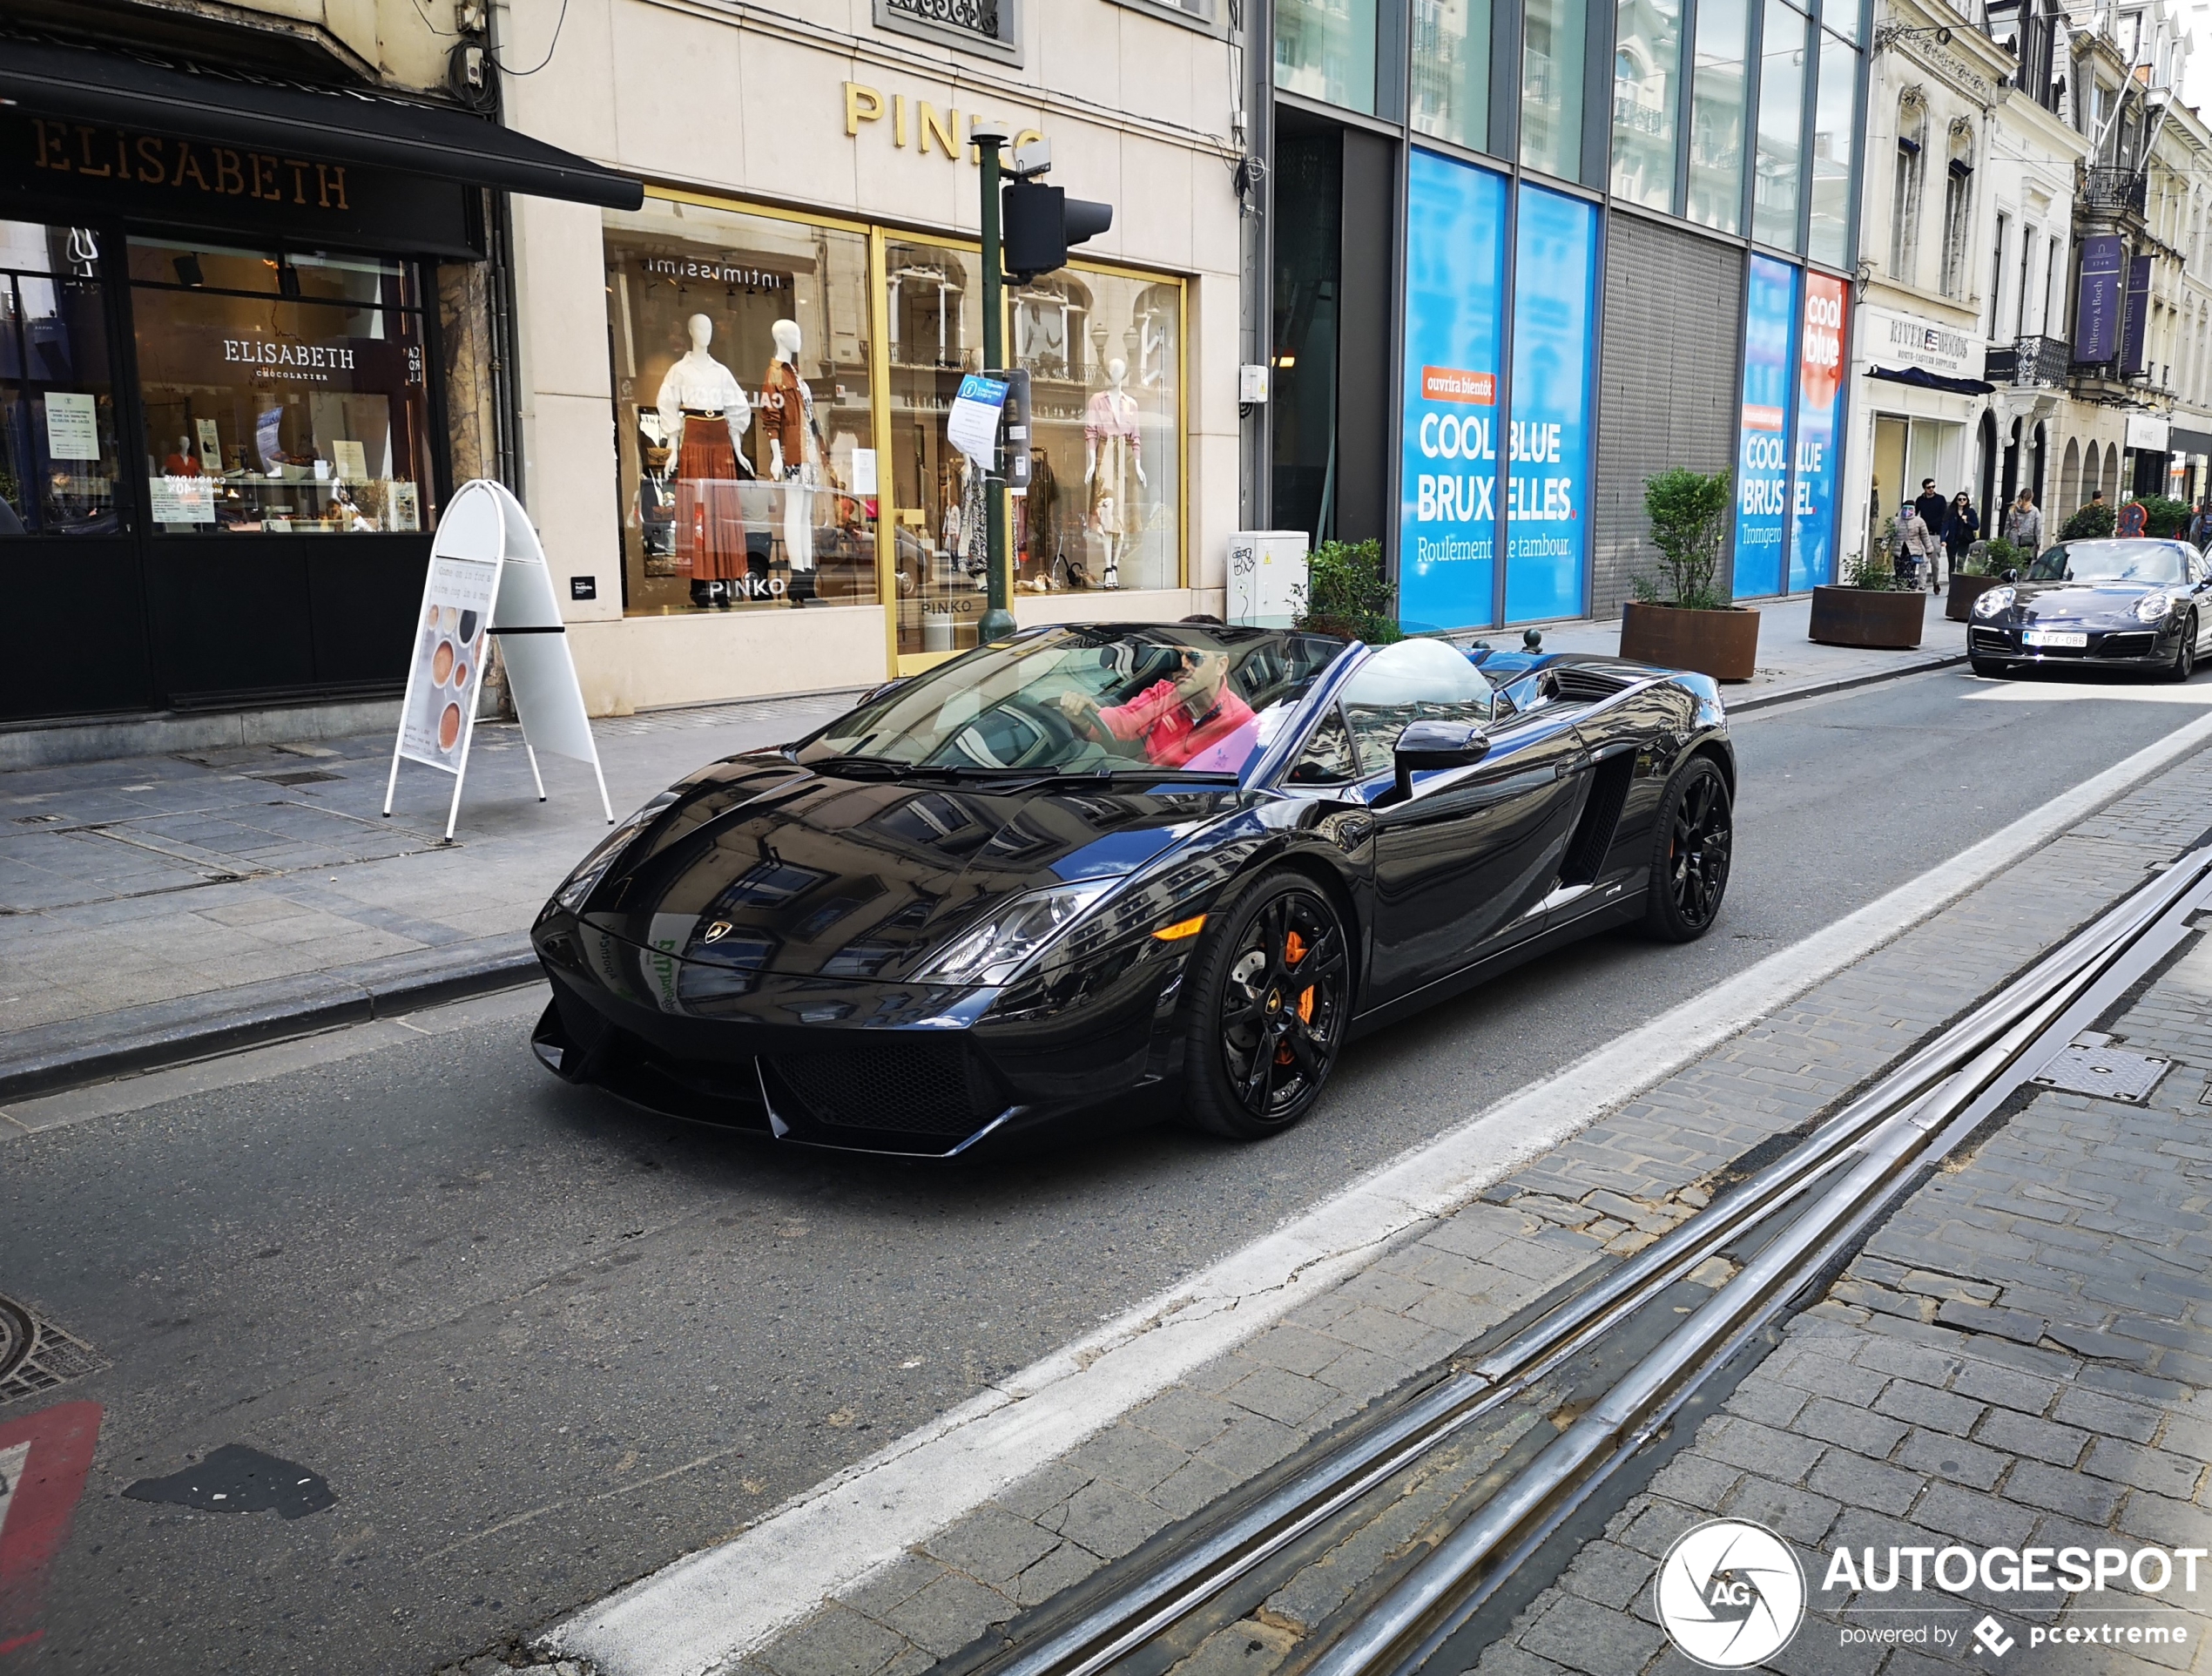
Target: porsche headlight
x=1994, y=602
x=582, y=883
x=2153, y=606
x=996, y=947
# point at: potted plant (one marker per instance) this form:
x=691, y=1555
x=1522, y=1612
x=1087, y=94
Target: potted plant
x=1346, y=593
x=1983, y=568
x=1681, y=621
x=2090, y=523
x=1874, y=607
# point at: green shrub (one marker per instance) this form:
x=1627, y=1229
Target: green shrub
x=2162, y=516
x=1688, y=511
x=1346, y=593
x=1876, y=572
x=2091, y=523
x=1998, y=555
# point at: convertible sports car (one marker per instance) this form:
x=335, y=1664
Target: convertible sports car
x=2140, y=604
x=1092, y=862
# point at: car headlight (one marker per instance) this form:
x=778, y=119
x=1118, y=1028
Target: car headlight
x=2153, y=607
x=582, y=883
x=995, y=947
x=1993, y=602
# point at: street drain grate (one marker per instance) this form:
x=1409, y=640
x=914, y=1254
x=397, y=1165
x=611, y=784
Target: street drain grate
x=2109, y=1073
x=36, y=1356
x=40, y=820
x=303, y=777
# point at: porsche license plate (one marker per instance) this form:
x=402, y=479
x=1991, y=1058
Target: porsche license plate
x=2054, y=637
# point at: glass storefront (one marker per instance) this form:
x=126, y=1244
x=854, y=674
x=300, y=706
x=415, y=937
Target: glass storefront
x=778, y=449
x=1716, y=94
x=281, y=393
x=59, y=453
x=1551, y=86
x=1646, y=101
x=1326, y=49
x=743, y=424
x=1450, y=72
x=1781, y=103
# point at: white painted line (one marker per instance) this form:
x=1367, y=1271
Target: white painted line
x=721, y=1601
x=2135, y=692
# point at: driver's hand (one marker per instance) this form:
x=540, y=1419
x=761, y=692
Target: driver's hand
x=1072, y=705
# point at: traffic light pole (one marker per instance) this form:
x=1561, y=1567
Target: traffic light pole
x=998, y=621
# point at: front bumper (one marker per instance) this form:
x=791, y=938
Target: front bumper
x=2150, y=646
x=914, y=1069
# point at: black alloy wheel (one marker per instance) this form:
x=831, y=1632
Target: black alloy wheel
x=1270, y=995
x=2184, y=664
x=1691, y=854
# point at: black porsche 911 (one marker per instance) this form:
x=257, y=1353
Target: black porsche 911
x=1092, y=861
x=2140, y=604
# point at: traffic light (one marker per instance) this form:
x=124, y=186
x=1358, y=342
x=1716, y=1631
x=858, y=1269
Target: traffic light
x=1038, y=223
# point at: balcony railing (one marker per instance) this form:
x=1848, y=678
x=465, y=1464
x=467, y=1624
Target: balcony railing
x=2032, y=362
x=2111, y=190
x=978, y=17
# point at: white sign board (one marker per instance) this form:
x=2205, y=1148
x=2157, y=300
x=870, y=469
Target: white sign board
x=488, y=580
x=973, y=425
x=1267, y=578
x=2148, y=432
x=1889, y=338
x=182, y=500
x=72, y=426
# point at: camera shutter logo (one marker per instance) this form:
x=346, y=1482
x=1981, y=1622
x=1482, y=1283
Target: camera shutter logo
x=1730, y=1594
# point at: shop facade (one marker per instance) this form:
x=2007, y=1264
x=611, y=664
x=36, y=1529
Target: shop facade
x=224, y=359
x=735, y=397
x=1527, y=256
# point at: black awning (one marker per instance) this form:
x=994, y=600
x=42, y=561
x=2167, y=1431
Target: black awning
x=358, y=126
x=1927, y=381
x=2178, y=441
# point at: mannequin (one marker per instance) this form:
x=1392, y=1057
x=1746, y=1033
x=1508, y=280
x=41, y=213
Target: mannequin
x=181, y=462
x=794, y=453
x=704, y=416
x=1113, y=465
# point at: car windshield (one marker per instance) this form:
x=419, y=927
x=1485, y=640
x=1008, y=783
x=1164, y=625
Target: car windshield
x=2147, y=562
x=1184, y=696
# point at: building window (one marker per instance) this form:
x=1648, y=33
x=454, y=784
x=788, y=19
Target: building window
x=1647, y=97
x=1834, y=152
x=1551, y=87
x=1326, y=49
x=743, y=423
x=1997, y=273
x=1958, y=210
x=1451, y=70
x=991, y=28
x=1717, y=115
x=284, y=393
x=1782, y=105
x=2020, y=317
x=1905, y=189
x=60, y=461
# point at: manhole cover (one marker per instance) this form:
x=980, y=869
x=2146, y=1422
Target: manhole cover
x=36, y=1356
x=303, y=777
x=2109, y=1073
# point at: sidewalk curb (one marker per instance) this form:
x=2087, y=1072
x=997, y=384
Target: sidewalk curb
x=74, y=1052
x=1841, y=683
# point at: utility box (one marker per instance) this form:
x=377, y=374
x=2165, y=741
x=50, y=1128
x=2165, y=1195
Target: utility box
x=1267, y=577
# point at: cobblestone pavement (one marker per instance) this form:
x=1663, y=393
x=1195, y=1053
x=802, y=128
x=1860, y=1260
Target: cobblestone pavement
x=149, y=879
x=2079, y=1222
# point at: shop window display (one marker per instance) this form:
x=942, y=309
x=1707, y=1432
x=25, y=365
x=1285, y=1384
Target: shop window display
x=743, y=412
x=59, y=459
x=284, y=393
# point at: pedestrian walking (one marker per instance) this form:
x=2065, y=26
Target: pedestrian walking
x=2024, y=525
x=1934, y=511
x=1916, y=544
x=1962, y=529
x=2200, y=529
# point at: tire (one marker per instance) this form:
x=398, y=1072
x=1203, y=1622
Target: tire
x=1270, y=998
x=1994, y=668
x=1690, y=853
x=2184, y=664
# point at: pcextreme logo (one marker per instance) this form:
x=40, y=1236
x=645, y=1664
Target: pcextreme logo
x=1730, y=1594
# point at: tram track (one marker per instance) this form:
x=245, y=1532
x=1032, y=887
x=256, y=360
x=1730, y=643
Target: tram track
x=1608, y=1367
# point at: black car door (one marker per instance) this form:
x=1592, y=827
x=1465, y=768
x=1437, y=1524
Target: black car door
x=1459, y=865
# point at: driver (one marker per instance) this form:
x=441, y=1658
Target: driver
x=1176, y=718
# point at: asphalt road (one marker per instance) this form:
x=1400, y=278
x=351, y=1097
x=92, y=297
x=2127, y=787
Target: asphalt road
x=539, y=1344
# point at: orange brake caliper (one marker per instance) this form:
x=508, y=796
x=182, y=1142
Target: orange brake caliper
x=1293, y=952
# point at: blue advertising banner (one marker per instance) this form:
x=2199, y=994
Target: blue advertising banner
x=1554, y=315
x=1762, y=448
x=2132, y=333
x=1447, y=511
x=1820, y=390
x=2096, y=323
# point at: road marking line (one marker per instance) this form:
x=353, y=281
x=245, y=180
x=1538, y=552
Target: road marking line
x=721, y=1601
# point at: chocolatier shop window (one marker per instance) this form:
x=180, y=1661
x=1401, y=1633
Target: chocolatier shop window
x=59, y=459
x=284, y=392
x=742, y=410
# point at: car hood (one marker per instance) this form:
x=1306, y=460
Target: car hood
x=763, y=865
x=2075, y=602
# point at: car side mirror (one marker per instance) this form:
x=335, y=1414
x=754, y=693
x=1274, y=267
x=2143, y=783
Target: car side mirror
x=2010, y=575
x=1437, y=745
